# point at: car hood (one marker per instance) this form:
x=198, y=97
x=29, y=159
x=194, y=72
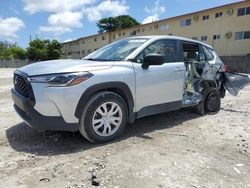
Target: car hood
x=64, y=66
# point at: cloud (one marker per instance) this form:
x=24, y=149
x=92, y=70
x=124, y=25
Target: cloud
x=56, y=30
x=154, y=12
x=9, y=27
x=63, y=22
x=66, y=15
x=69, y=39
x=150, y=19
x=68, y=19
x=112, y=8
x=156, y=9
x=54, y=6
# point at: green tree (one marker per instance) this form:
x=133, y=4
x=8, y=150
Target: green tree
x=54, y=50
x=17, y=52
x=37, y=50
x=40, y=50
x=116, y=23
x=5, y=53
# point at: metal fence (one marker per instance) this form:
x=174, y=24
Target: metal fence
x=13, y=63
x=235, y=63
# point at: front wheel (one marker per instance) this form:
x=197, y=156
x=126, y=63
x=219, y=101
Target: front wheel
x=104, y=117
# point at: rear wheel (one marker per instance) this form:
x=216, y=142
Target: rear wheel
x=212, y=101
x=104, y=117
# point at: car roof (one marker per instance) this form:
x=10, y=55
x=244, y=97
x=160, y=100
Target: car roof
x=171, y=37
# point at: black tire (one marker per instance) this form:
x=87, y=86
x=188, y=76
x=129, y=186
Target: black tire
x=94, y=102
x=204, y=106
x=222, y=92
x=212, y=100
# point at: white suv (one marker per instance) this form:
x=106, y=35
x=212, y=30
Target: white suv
x=120, y=82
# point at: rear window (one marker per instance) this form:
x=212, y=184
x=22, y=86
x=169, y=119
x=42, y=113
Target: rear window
x=208, y=53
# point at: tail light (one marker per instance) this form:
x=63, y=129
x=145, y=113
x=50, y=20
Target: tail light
x=225, y=68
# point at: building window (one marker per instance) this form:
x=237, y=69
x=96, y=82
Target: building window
x=89, y=50
x=120, y=34
x=194, y=38
x=242, y=35
x=142, y=30
x=103, y=38
x=218, y=14
x=164, y=27
x=243, y=11
x=133, y=33
x=95, y=39
x=247, y=35
x=83, y=52
x=216, y=37
x=115, y=36
x=185, y=22
x=124, y=34
x=203, y=38
x=206, y=17
x=239, y=35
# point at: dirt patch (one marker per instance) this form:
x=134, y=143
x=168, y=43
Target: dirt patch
x=176, y=149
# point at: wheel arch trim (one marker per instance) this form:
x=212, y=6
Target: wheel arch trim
x=107, y=86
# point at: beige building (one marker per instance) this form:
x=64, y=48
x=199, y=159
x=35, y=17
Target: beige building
x=226, y=28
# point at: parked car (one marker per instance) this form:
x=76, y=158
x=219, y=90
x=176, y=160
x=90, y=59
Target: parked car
x=128, y=79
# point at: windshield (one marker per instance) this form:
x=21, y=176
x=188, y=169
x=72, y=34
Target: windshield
x=117, y=51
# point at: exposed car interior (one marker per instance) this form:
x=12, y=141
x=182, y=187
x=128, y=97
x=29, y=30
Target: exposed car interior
x=194, y=60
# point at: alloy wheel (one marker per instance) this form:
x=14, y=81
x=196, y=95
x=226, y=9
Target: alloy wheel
x=107, y=119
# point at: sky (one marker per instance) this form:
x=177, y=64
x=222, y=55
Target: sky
x=67, y=20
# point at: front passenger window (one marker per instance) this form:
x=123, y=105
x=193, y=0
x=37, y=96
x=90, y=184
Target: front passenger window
x=166, y=48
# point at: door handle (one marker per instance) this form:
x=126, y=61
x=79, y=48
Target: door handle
x=178, y=69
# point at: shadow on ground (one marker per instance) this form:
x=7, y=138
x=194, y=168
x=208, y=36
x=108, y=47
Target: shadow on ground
x=22, y=138
x=235, y=111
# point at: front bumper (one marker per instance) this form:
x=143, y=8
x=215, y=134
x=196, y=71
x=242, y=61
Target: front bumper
x=24, y=108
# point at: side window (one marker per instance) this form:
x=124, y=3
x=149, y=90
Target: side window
x=208, y=54
x=192, y=52
x=166, y=48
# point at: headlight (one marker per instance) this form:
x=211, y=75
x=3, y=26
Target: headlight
x=61, y=80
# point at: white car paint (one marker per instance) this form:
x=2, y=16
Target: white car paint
x=166, y=81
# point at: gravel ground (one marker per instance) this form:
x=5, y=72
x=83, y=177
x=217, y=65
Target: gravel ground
x=176, y=149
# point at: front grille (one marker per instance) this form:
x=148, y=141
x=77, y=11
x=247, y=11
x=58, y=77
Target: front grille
x=21, y=86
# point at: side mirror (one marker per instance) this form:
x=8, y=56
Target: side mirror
x=153, y=59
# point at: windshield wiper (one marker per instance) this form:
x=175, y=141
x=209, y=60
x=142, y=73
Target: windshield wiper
x=90, y=59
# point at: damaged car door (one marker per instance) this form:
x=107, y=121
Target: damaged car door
x=234, y=82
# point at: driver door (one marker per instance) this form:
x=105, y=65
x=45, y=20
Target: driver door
x=160, y=87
